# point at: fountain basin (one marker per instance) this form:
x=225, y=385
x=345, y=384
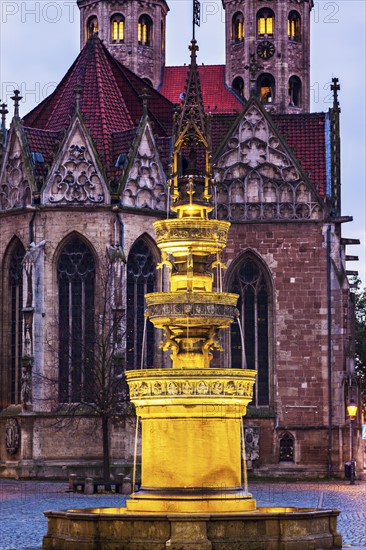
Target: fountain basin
x=263, y=529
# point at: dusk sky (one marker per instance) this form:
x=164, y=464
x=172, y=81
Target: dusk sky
x=39, y=40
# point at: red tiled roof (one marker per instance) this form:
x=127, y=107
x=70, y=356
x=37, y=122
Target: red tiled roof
x=45, y=142
x=111, y=107
x=217, y=98
x=160, y=109
x=305, y=135
x=109, y=102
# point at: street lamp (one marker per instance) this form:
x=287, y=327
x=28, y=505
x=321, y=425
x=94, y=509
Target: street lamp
x=352, y=413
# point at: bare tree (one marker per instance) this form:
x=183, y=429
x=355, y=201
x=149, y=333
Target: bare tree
x=93, y=382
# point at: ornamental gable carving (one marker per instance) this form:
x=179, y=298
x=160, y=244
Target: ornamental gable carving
x=145, y=179
x=75, y=177
x=257, y=177
x=15, y=185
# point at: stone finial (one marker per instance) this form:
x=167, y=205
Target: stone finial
x=78, y=90
x=145, y=101
x=16, y=98
x=254, y=67
x=3, y=112
x=335, y=87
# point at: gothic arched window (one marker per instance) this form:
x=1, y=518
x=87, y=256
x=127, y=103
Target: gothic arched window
x=287, y=448
x=238, y=86
x=15, y=322
x=145, y=30
x=294, y=26
x=92, y=26
x=238, y=31
x=140, y=280
x=250, y=282
x=117, y=28
x=76, y=290
x=266, y=88
x=294, y=91
x=265, y=23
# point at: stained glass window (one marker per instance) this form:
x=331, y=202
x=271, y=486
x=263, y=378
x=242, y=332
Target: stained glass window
x=140, y=280
x=251, y=284
x=76, y=286
x=16, y=322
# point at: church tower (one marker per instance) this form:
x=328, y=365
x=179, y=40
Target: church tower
x=268, y=52
x=133, y=32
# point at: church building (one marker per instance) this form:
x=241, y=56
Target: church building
x=84, y=175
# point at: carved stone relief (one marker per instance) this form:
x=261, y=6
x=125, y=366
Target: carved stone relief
x=30, y=259
x=76, y=179
x=15, y=190
x=12, y=436
x=26, y=384
x=251, y=446
x=256, y=177
x=146, y=182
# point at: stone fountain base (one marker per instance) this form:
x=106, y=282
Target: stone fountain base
x=264, y=529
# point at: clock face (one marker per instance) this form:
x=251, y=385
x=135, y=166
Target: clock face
x=265, y=49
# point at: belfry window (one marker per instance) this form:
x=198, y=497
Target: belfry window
x=265, y=23
x=144, y=30
x=238, y=31
x=92, y=27
x=251, y=284
x=294, y=91
x=266, y=88
x=16, y=322
x=294, y=26
x=76, y=290
x=117, y=28
x=140, y=280
x=286, y=448
x=238, y=86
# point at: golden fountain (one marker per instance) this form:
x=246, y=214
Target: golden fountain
x=191, y=414
x=193, y=493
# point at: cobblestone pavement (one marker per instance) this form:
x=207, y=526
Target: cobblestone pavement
x=22, y=503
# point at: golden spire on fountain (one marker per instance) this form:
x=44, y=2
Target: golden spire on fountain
x=191, y=244
x=192, y=435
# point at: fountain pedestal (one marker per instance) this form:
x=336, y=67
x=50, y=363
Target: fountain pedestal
x=191, y=440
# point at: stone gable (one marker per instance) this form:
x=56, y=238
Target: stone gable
x=76, y=177
x=145, y=181
x=258, y=178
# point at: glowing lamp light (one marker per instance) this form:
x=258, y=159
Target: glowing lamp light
x=352, y=409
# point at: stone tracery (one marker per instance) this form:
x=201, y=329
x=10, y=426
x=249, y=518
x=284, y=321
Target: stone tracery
x=15, y=191
x=76, y=180
x=143, y=188
x=256, y=177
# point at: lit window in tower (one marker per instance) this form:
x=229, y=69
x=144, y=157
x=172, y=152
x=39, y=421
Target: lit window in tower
x=118, y=28
x=144, y=30
x=92, y=27
x=265, y=23
x=266, y=88
x=238, y=31
x=294, y=26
